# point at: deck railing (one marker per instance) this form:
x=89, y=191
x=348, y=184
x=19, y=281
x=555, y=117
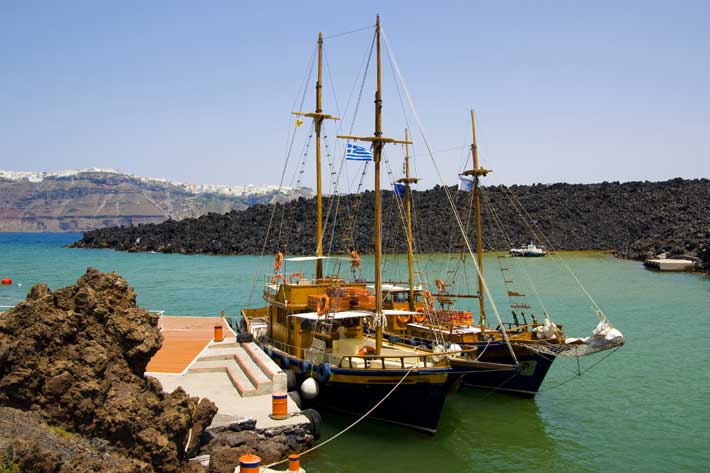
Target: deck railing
x=380, y=361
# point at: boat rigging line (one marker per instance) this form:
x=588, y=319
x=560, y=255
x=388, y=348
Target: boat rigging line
x=450, y=199
x=292, y=133
x=521, y=210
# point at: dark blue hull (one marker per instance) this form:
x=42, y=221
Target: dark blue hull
x=525, y=381
x=416, y=403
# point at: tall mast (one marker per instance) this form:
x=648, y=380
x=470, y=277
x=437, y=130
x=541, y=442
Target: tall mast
x=476, y=172
x=318, y=118
x=378, y=198
x=378, y=142
x=408, y=209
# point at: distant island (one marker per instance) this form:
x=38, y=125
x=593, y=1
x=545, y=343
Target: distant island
x=85, y=199
x=632, y=219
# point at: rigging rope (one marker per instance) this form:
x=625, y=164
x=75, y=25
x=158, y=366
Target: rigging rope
x=448, y=195
x=519, y=207
x=309, y=73
x=499, y=225
x=366, y=61
x=351, y=425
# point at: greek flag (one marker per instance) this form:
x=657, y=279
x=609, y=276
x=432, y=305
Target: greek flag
x=358, y=153
x=465, y=185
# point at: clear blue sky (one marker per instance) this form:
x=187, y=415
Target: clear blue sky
x=202, y=91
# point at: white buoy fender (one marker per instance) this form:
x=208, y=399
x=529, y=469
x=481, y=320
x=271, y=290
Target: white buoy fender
x=309, y=388
x=455, y=347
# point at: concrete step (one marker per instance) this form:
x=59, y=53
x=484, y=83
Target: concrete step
x=239, y=379
x=267, y=365
x=253, y=371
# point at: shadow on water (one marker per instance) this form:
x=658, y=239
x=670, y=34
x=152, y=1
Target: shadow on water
x=479, y=431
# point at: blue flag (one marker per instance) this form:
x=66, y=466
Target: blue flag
x=399, y=189
x=358, y=153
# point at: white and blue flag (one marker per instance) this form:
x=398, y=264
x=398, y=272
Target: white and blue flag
x=465, y=185
x=358, y=153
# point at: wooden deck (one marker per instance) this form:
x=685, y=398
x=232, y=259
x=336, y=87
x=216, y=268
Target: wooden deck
x=183, y=339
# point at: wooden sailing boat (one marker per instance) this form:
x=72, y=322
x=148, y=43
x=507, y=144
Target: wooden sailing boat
x=314, y=326
x=532, y=345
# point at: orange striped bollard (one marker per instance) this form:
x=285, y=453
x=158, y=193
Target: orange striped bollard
x=249, y=463
x=279, y=406
x=218, y=333
x=294, y=462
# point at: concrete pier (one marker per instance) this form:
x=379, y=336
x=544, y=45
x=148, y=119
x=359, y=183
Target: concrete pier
x=238, y=377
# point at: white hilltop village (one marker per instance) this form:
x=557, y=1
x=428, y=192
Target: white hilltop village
x=231, y=190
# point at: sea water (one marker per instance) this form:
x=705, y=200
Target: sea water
x=645, y=407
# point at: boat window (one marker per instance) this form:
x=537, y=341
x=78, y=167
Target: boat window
x=400, y=296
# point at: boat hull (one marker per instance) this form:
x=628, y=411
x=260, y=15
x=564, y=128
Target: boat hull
x=524, y=382
x=416, y=403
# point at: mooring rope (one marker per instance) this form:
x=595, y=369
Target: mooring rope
x=351, y=425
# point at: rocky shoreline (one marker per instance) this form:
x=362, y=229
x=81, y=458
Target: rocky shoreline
x=73, y=395
x=634, y=220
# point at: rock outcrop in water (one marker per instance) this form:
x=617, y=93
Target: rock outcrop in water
x=75, y=357
x=633, y=219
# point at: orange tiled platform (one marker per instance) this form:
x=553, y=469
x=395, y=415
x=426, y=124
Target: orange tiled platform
x=183, y=339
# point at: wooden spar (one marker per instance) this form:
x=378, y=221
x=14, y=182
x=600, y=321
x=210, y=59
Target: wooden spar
x=408, y=207
x=318, y=118
x=476, y=172
x=378, y=142
x=378, y=198
x=407, y=181
x=319, y=184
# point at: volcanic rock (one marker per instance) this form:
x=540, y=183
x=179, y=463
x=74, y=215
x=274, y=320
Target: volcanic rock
x=28, y=444
x=633, y=219
x=76, y=357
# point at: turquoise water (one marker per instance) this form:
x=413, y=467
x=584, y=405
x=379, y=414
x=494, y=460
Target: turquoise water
x=644, y=408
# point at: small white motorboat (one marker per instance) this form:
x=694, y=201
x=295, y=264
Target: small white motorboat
x=529, y=250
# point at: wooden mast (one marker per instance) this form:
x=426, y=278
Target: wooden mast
x=378, y=142
x=476, y=172
x=408, y=210
x=318, y=118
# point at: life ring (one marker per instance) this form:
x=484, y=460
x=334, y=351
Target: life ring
x=277, y=277
x=323, y=373
x=278, y=260
x=440, y=285
x=366, y=350
x=420, y=315
x=294, y=276
x=323, y=303
x=404, y=319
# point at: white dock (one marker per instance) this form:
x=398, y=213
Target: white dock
x=670, y=264
x=238, y=377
